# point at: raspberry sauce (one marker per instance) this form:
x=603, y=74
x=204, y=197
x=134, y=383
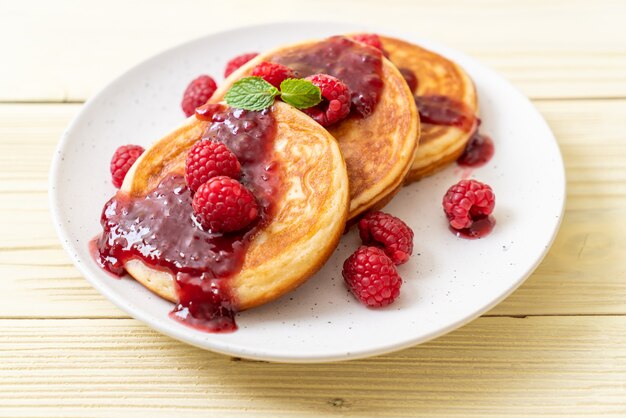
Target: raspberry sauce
x=358, y=66
x=207, y=110
x=160, y=229
x=481, y=227
x=442, y=110
x=478, y=151
x=410, y=78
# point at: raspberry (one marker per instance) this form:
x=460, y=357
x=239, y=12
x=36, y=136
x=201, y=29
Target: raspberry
x=388, y=233
x=123, y=158
x=467, y=201
x=222, y=204
x=237, y=62
x=208, y=159
x=197, y=93
x=372, y=277
x=337, y=104
x=273, y=73
x=370, y=39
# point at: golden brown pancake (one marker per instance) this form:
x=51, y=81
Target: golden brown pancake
x=309, y=217
x=436, y=75
x=378, y=149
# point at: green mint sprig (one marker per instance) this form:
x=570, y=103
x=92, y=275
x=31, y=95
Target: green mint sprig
x=300, y=93
x=254, y=93
x=251, y=93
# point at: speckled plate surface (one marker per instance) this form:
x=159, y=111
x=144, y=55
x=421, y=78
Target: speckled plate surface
x=448, y=282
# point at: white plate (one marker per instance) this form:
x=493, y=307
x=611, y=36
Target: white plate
x=448, y=282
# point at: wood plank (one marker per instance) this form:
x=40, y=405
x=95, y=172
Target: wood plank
x=583, y=273
x=557, y=366
x=61, y=52
x=29, y=136
x=585, y=269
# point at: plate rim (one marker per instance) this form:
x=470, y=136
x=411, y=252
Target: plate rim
x=233, y=349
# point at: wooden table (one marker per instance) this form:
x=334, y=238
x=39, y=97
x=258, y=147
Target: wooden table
x=556, y=347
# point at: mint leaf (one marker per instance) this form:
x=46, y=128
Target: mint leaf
x=251, y=93
x=300, y=93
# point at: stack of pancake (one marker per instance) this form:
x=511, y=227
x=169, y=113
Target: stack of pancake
x=331, y=176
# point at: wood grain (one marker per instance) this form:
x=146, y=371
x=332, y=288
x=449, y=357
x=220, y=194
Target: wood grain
x=563, y=366
x=550, y=49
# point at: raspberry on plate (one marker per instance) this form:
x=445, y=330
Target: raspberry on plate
x=372, y=277
x=336, y=105
x=222, y=204
x=389, y=233
x=197, y=93
x=123, y=158
x=467, y=201
x=208, y=159
x=273, y=73
x=238, y=61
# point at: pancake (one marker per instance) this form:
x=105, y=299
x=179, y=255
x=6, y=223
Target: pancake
x=308, y=219
x=436, y=76
x=379, y=148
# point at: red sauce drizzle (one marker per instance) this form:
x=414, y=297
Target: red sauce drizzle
x=159, y=229
x=481, y=227
x=206, y=111
x=478, y=151
x=410, y=78
x=441, y=110
x=357, y=65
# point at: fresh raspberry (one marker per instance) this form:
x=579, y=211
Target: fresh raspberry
x=237, y=62
x=370, y=39
x=372, y=277
x=197, y=93
x=123, y=158
x=389, y=233
x=208, y=159
x=336, y=107
x=273, y=73
x=467, y=201
x=222, y=204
